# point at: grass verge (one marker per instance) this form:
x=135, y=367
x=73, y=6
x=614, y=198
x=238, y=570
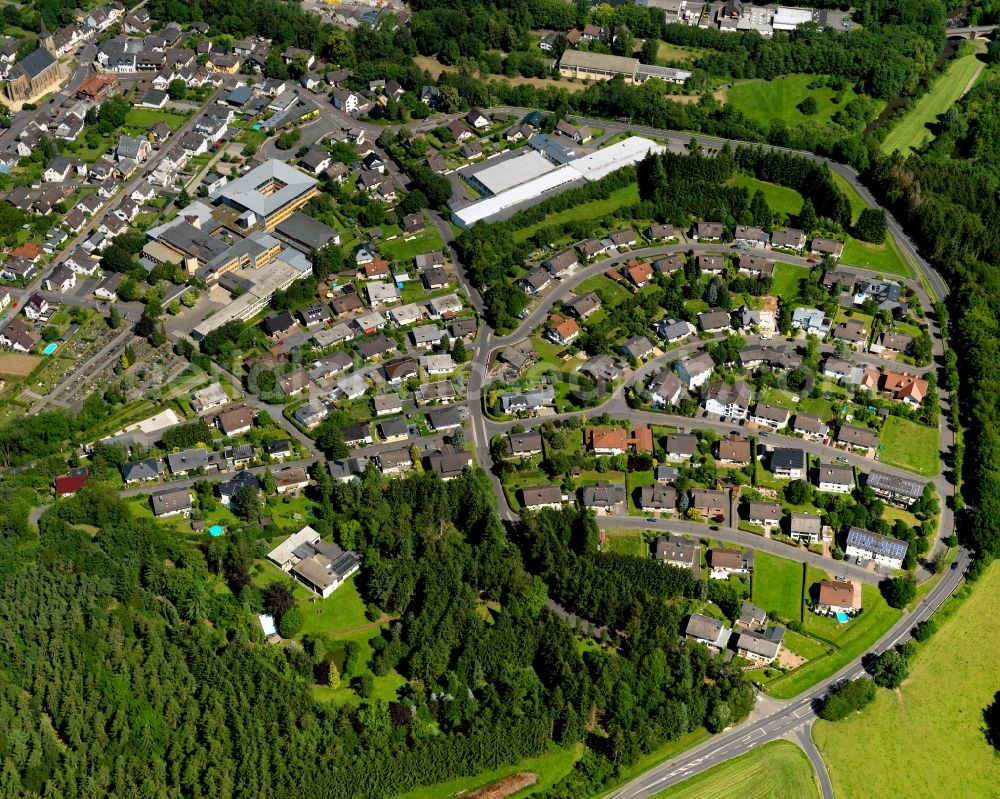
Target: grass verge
x=778, y=769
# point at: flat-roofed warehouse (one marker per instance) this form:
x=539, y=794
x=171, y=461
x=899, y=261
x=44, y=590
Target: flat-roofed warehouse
x=493, y=178
x=591, y=167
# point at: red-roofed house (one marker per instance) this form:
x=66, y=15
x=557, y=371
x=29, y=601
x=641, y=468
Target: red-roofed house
x=377, y=270
x=28, y=250
x=639, y=274
x=562, y=330
x=615, y=441
x=68, y=484
x=907, y=388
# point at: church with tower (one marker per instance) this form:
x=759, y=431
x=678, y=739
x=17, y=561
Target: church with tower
x=37, y=73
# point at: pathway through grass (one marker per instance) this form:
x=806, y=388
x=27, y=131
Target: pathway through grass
x=911, y=132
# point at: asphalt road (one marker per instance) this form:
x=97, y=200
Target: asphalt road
x=792, y=718
x=735, y=536
x=935, y=281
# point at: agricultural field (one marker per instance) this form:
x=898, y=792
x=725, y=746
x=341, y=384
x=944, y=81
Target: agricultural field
x=16, y=365
x=910, y=446
x=911, y=132
x=952, y=679
x=767, y=100
x=776, y=770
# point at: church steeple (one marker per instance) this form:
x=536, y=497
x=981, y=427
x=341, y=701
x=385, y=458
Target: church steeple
x=45, y=38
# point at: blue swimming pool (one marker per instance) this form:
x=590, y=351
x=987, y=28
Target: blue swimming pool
x=843, y=617
x=216, y=530
x=255, y=126
x=50, y=348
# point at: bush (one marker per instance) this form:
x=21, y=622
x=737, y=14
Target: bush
x=847, y=698
x=291, y=623
x=891, y=668
x=899, y=591
x=924, y=630
x=364, y=684
x=809, y=106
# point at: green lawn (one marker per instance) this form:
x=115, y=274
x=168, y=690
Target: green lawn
x=678, y=52
x=911, y=131
x=610, y=291
x=145, y=118
x=550, y=768
x=778, y=770
x=808, y=648
x=858, y=203
x=777, y=585
x=786, y=279
x=342, y=610
x=403, y=250
x=775, y=396
x=877, y=257
x=595, y=209
x=766, y=100
x=637, y=480
x=910, y=446
x=628, y=542
x=929, y=732
x=851, y=640
x=781, y=198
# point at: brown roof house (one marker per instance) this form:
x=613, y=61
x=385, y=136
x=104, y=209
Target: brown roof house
x=734, y=450
x=710, y=503
x=676, y=550
x=839, y=596
x=724, y=562
x=235, y=421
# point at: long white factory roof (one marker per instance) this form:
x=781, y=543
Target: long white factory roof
x=590, y=167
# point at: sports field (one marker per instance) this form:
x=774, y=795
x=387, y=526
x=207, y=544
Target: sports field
x=778, y=770
x=925, y=738
x=911, y=131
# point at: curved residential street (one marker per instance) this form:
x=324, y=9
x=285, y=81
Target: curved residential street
x=771, y=719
